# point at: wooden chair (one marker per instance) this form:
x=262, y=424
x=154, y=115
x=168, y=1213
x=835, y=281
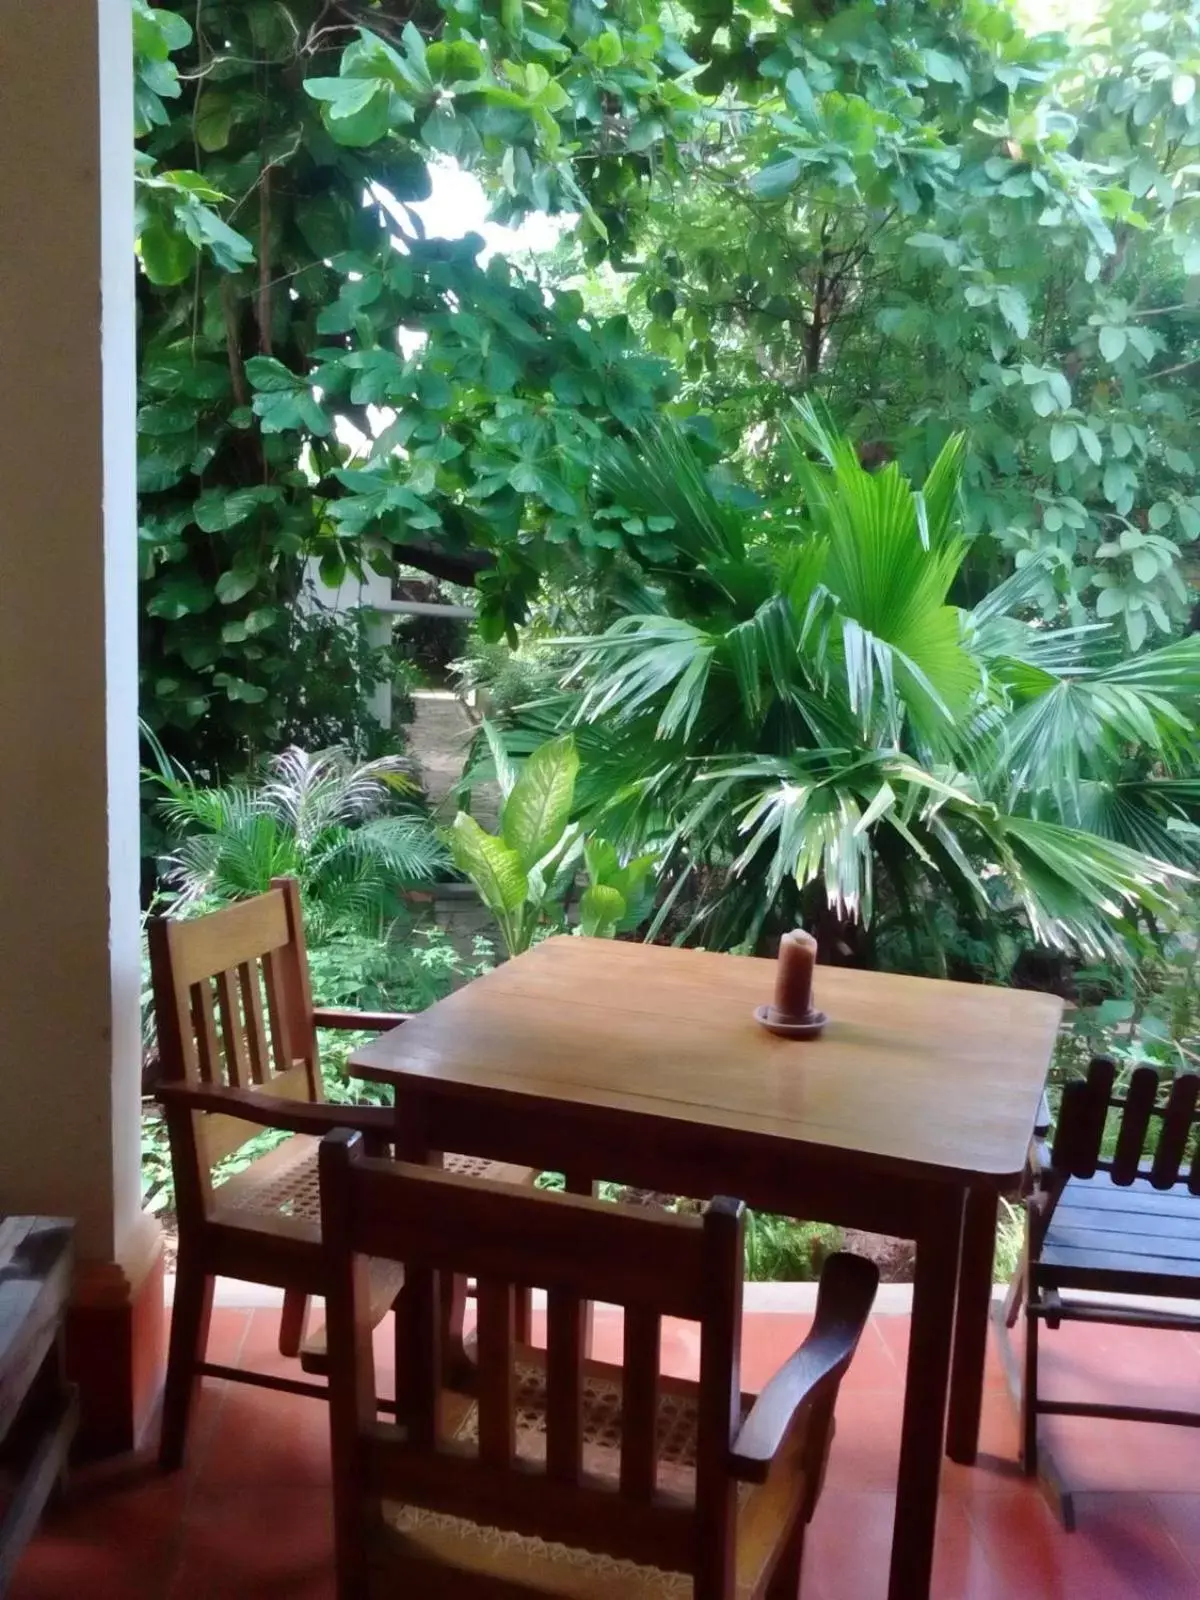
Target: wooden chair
x=238, y=1047
x=560, y=1476
x=1126, y=1223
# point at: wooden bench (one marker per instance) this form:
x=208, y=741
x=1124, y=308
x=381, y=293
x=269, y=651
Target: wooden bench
x=38, y=1408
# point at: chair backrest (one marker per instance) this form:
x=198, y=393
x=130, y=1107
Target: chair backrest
x=1155, y=1124
x=579, y=1250
x=233, y=1006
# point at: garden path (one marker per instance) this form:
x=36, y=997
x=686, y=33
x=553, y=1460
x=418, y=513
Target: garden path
x=439, y=741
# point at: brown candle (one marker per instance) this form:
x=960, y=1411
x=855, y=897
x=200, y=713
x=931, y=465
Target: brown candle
x=794, y=976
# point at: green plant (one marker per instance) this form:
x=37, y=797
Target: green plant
x=331, y=822
x=1146, y=1012
x=619, y=893
x=510, y=678
x=1010, y=1241
x=328, y=669
x=798, y=706
x=778, y=1249
x=158, y=1188
x=408, y=969
x=781, y=1250
x=525, y=872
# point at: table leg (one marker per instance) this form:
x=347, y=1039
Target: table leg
x=926, y=1384
x=971, y=1325
x=580, y=1183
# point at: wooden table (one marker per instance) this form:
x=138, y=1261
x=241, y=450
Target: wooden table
x=644, y=1065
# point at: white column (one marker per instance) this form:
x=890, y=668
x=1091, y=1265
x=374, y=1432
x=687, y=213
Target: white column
x=69, y=921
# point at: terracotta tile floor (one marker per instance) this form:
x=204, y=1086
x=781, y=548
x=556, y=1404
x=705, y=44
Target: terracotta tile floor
x=250, y=1516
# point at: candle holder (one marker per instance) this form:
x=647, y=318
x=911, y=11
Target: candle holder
x=793, y=1015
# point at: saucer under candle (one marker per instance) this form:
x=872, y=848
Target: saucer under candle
x=810, y=1027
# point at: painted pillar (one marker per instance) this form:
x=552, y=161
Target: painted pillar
x=70, y=976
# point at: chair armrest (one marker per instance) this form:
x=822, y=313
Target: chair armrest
x=367, y=1021
x=844, y=1300
x=275, y=1111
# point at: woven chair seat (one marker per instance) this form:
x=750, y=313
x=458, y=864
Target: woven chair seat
x=415, y=1538
x=284, y=1183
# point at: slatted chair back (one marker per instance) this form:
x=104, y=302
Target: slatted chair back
x=1157, y=1122
x=234, y=1008
x=579, y=1249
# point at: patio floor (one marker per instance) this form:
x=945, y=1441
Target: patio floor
x=250, y=1516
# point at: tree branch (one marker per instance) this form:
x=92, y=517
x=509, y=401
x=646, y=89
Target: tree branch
x=461, y=567
x=264, y=262
x=1169, y=372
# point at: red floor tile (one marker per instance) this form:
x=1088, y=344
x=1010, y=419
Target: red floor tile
x=1122, y=1550
x=277, y=1541
x=1180, y=1515
x=251, y=1517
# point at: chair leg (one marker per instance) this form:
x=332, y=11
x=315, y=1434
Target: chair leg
x=1029, y=1395
x=190, y=1317
x=293, y=1323
x=1015, y=1297
x=785, y=1580
x=523, y=1317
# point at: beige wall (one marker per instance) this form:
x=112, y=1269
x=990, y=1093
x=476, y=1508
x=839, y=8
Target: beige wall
x=69, y=962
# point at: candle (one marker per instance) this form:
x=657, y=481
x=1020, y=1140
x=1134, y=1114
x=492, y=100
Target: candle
x=793, y=980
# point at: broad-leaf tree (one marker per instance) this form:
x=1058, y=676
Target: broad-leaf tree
x=941, y=223
x=283, y=144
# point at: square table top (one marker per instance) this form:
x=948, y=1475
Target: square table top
x=909, y=1070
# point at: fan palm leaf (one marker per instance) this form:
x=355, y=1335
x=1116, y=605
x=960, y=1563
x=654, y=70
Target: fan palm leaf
x=849, y=717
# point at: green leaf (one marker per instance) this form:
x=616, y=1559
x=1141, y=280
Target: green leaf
x=1145, y=566
x=356, y=111
x=1091, y=442
x=944, y=69
x=1014, y=308
x=601, y=908
x=800, y=97
x=537, y=811
x=1112, y=343
x=167, y=254
x=270, y=376
x=1062, y=441
x=234, y=584
x=491, y=865
x=777, y=179
x=213, y=120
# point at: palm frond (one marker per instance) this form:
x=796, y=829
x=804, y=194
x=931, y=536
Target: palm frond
x=659, y=475
x=320, y=817
x=311, y=792
x=1076, y=887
